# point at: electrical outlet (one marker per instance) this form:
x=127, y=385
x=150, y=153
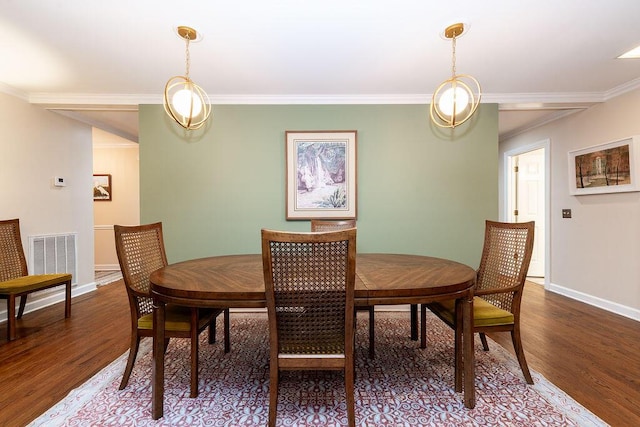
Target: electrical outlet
x=566, y=213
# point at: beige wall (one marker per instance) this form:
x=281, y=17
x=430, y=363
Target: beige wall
x=35, y=146
x=594, y=255
x=118, y=157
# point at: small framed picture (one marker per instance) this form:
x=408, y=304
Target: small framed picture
x=605, y=168
x=321, y=174
x=101, y=187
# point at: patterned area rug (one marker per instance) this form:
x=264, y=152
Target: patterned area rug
x=403, y=386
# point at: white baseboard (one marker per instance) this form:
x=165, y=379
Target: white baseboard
x=55, y=297
x=613, y=307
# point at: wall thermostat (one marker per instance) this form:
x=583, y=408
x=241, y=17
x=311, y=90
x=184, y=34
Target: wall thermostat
x=58, y=181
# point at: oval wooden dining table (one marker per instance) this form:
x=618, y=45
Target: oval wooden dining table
x=237, y=281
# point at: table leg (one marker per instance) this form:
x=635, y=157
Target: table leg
x=458, y=346
x=157, y=384
x=469, y=357
x=414, y=322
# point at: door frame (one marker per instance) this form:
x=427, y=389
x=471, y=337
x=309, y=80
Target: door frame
x=507, y=160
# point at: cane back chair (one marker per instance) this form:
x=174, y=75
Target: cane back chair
x=319, y=225
x=310, y=281
x=15, y=281
x=140, y=252
x=499, y=284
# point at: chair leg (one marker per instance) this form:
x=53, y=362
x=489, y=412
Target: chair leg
x=273, y=394
x=133, y=352
x=350, y=394
x=11, y=318
x=423, y=326
x=23, y=303
x=517, y=346
x=372, y=346
x=67, y=300
x=485, y=344
x=227, y=329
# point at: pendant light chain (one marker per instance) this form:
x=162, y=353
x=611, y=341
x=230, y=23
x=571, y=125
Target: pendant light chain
x=187, y=56
x=453, y=61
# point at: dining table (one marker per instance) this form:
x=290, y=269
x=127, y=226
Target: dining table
x=237, y=281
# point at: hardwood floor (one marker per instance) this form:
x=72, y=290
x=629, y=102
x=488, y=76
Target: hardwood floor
x=53, y=355
x=589, y=353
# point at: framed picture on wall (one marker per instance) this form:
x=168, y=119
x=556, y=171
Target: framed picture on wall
x=101, y=187
x=605, y=168
x=321, y=174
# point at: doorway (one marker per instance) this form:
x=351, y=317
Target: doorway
x=527, y=199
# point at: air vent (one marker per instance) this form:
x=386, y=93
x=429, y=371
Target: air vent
x=52, y=254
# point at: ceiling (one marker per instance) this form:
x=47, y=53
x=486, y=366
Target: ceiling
x=96, y=61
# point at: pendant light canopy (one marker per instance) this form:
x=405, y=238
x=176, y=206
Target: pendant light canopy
x=184, y=101
x=457, y=98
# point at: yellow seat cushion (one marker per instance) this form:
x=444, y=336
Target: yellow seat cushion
x=177, y=318
x=484, y=313
x=32, y=283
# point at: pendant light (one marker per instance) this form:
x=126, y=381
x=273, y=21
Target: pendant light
x=184, y=101
x=457, y=98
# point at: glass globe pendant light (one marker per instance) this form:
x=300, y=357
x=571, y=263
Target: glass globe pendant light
x=184, y=101
x=457, y=98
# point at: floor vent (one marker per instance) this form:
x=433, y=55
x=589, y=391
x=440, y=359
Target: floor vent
x=53, y=254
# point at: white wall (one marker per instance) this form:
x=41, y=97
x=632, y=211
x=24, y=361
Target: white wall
x=35, y=146
x=118, y=157
x=595, y=256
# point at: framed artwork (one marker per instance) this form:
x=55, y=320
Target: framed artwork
x=321, y=174
x=101, y=187
x=605, y=168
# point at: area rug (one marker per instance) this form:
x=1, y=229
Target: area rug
x=403, y=386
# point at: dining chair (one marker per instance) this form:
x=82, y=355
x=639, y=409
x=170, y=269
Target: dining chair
x=310, y=280
x=319, y=225
x=141, y=251
x=15, y=280
x=498, y=290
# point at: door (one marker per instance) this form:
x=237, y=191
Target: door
x=528, y=201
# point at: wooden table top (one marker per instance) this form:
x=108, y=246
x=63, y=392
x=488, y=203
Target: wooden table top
x=237, y=280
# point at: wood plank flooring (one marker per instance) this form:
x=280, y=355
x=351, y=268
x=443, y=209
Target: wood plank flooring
x=591, y=354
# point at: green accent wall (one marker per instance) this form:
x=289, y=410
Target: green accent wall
x=421, y=189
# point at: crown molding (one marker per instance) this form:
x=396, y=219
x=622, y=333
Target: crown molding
x=622, y=89
x=130, y=102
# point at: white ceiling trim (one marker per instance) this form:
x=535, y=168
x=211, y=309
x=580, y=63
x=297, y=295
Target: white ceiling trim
x=623, y=88
x=129, y=102
x=120, y=101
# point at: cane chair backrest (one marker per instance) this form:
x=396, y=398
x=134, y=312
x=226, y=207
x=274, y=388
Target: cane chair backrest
x=505, y=260
x=12, y=261
x=140, y=252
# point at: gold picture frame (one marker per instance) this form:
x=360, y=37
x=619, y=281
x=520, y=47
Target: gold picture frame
x=321, y=179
